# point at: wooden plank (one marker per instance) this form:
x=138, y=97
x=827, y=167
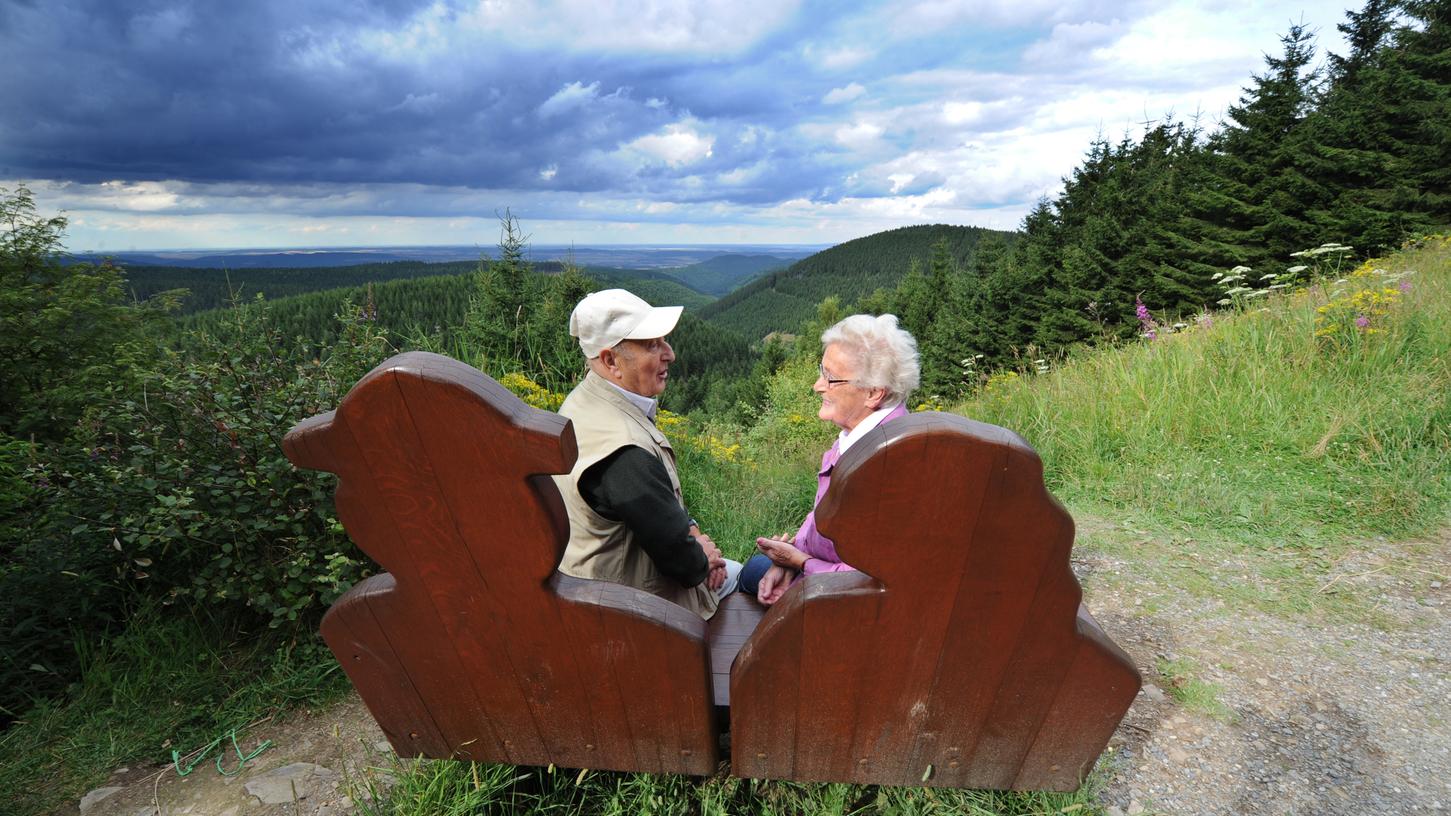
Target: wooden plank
x=728, y=630
x=376, y=671
x=409, y=620
x=952, y=669
x=1101, y=683
x=444, y=479
x=766, y=691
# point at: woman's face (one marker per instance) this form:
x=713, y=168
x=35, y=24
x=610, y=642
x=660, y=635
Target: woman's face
x=843, y=403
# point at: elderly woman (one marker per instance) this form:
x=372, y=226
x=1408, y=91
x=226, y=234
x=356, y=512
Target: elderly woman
x=868, y=369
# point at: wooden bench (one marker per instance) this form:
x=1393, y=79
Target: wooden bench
x=959, y=656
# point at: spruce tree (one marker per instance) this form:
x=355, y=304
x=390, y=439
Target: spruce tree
x=1266, y=158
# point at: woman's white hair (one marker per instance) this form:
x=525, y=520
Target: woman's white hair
x=885, y=355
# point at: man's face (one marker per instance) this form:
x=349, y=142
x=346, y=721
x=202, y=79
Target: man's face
x=642, y=366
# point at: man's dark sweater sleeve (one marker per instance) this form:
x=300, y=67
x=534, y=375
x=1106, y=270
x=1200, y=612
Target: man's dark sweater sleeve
x=632, y=486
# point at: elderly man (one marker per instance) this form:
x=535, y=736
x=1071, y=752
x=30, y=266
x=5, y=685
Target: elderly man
x=627, y=519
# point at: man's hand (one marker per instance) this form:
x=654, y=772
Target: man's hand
x=782, y=553
x=774, y=584
x=717, y=576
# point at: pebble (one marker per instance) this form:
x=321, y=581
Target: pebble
x=93, y=798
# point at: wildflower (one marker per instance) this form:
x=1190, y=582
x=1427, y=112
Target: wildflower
x=1405, y=286
x=1362, y=322
x=1151, y=327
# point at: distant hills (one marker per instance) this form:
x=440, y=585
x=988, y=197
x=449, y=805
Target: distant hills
x=622, y=257
x=782, y=301
x=723, y=273
x=692, y=276
x=752, y=293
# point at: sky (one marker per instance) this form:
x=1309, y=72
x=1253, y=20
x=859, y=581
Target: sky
x=279, y=123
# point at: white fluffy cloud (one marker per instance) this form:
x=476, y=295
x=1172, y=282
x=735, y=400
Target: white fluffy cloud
x=676, y=145
x=847, y=93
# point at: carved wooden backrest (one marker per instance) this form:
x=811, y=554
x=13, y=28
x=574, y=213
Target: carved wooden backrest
x=471, y=645
x=958, y=656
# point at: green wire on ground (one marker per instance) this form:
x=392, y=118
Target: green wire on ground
x=243, y=759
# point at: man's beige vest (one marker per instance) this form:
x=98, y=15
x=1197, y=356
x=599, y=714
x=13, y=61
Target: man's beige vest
x=605, y=421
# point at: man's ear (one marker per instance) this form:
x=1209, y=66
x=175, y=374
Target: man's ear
x=610, y=359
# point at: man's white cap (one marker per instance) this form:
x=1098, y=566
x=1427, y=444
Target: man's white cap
x=605, y=318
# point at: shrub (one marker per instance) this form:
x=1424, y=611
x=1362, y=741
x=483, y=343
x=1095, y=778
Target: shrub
x=175, y=488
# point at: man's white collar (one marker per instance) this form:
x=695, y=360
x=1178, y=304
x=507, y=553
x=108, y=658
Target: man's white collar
x=646, y=405
x=849, y=438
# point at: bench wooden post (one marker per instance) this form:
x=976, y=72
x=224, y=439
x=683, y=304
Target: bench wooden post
x=959, y=656
x=471, y=645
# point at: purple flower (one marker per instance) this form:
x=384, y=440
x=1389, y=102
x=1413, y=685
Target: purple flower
x=1151, y=328
x=1362, y=322
x=1405, y=286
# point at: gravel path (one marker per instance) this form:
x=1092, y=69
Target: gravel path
x=1322, y=717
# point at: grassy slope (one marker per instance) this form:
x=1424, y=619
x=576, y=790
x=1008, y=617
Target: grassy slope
x=1254, y=442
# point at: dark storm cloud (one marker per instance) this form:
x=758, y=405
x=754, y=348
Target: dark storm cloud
x=288, y=92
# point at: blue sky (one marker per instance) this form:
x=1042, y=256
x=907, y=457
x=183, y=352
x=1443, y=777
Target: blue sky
x=277, y=123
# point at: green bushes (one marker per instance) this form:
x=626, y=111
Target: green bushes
x=172, y=486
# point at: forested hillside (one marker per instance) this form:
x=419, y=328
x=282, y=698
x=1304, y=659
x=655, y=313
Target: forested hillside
x=782, y=301
x=210, y=288
x=720, y=275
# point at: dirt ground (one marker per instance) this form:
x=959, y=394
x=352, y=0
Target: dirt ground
x=1316, y=718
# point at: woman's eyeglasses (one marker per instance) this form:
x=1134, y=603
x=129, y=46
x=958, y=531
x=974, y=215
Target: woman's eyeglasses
x=830, y=381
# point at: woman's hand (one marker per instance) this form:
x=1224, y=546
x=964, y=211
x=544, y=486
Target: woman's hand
x=774, y=584
x=782, y=553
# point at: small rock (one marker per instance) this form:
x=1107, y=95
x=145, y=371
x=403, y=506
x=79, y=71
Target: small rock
x=1153, y=693
x=382, y=746
x=1113, y=810
x=1178, y=756
x=91, y=799
x=1435, y=584
x=277, y=787
x=1135, y=808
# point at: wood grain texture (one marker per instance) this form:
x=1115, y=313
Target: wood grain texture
x=729, y=629
x=472, y=646
x=957, y=656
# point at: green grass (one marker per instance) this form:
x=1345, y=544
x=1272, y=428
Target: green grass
x=1240, y=461
x=171, y=680
x=1191, y=692
x=427, y=787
